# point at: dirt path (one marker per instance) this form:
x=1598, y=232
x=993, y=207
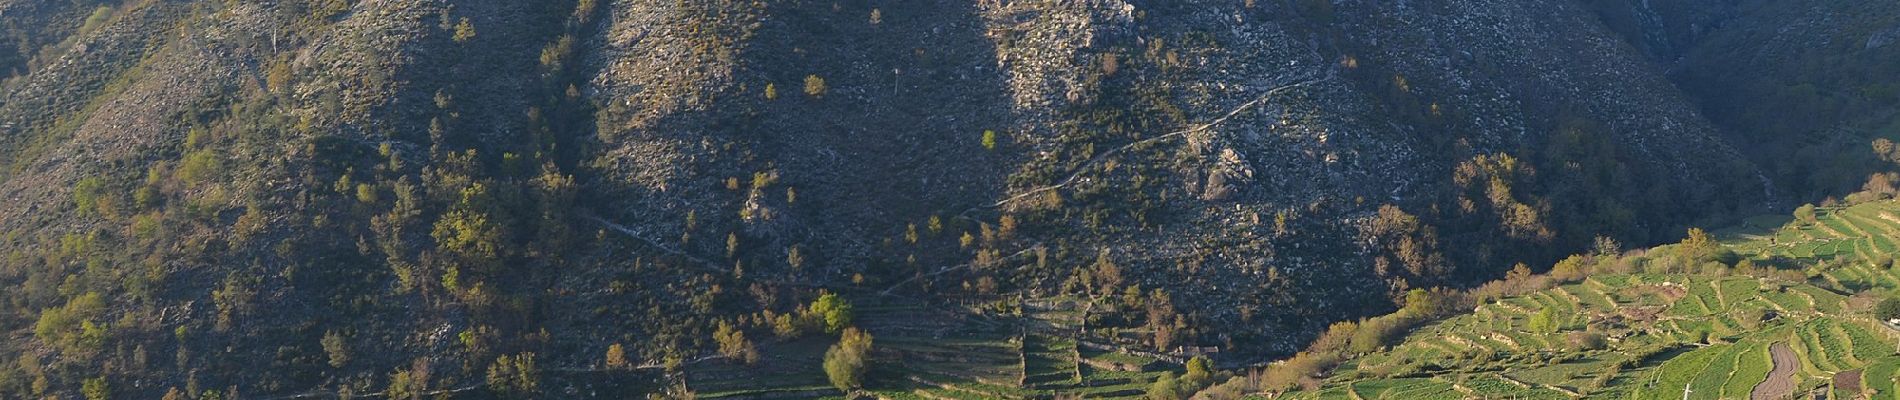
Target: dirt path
x=1780, y=380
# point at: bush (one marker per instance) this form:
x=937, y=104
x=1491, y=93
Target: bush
x=1586, y=340
x=1805, y=214
x=1888, y=309
x=1301, y=370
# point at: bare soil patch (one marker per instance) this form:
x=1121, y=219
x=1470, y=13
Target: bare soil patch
x=1780, y=380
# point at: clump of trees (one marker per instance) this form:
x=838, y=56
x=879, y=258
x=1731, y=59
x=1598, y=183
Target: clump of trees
x=829, y=313
x=733, y=344
x=837, y=312
x=515, y=377
x=1170, y=387
x=845, y=362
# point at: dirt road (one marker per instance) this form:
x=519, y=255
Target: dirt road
x=1780, y=381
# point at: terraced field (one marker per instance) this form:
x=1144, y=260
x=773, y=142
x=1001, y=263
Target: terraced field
x=939, y=352
x=1850, y=246
x=1624, y=336
x=1663, y=333
x=1709, y=334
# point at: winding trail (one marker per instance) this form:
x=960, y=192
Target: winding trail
x=1780, y=381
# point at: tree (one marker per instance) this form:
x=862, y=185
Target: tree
x=87, y=194
x=1165, y=387
x=405, y=384
x=1161, y=319
x=771, y=91
x=732, y=245
x=616, y=357
x=989, y=140
x=795, y=257
x=1424, y=303
x=815, y=86
x=464, y=31
x=95, y=389
x=1200, y=372
x=337, y=348
x=834, y=309
x=1108, y=276
x=1698, y=246
x=845, y=361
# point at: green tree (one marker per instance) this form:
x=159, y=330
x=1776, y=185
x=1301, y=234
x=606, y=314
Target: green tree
x=1424, y=303
x=845, y=362
x=1200, y=372
x=837, y=312
x=87, y=193
x=1165, y=387
x=989, y=140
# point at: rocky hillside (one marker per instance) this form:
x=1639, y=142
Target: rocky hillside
x=304, y=197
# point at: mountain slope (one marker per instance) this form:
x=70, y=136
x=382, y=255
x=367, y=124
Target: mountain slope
x=323, y=196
